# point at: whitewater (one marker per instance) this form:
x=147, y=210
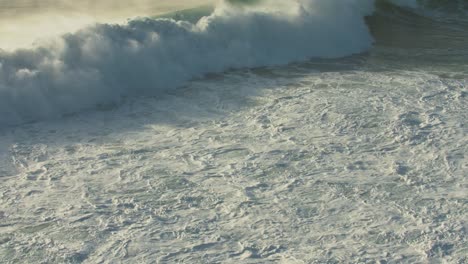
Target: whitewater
x=301, y=131
x=105, y=63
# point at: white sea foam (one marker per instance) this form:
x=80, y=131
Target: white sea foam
x=352, y=160
x=105, y=63
x=338, y=166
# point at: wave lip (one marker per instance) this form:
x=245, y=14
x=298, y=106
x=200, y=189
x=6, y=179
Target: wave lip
x=105, y=63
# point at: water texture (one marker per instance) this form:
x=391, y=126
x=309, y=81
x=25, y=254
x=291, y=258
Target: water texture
x=251, y=136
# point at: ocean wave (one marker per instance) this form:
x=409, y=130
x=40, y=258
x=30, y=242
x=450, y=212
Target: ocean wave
x=105, y=63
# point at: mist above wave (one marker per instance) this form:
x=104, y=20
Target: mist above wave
x=105, y=63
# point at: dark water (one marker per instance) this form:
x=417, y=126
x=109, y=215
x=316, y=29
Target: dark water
x=426, y=39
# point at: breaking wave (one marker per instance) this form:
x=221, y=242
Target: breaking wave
x=106, y=63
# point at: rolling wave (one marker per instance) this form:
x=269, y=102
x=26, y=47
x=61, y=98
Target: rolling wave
x=106, y=63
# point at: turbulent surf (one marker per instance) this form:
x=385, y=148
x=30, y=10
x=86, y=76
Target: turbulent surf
x=269, y=131
x=106, y=63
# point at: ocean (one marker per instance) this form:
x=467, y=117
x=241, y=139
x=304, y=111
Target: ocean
x=298, y=131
